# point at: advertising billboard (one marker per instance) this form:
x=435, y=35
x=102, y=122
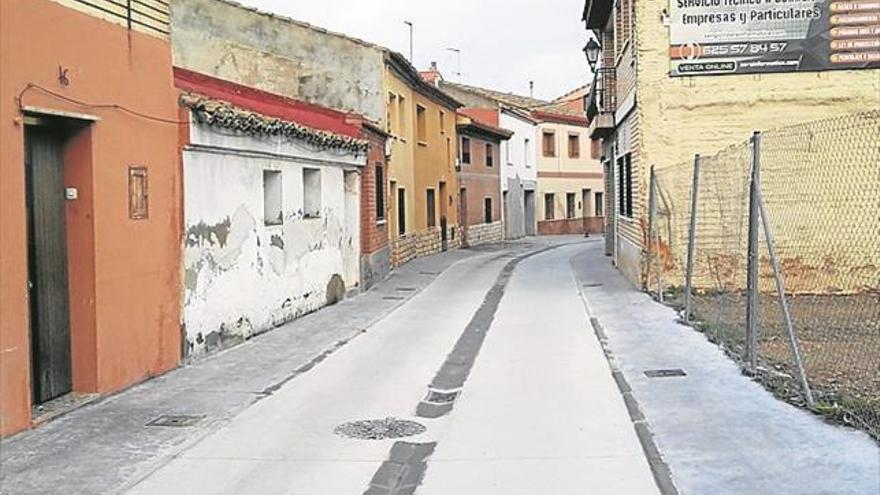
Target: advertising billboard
x=710, y=37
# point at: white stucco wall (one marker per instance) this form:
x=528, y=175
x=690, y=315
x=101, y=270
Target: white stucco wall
x=243, y=277
x=514, y=162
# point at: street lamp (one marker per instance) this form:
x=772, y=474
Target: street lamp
x=410, y=24
x=592, y=51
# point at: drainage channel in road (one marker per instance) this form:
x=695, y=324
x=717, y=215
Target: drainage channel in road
x=405, y=468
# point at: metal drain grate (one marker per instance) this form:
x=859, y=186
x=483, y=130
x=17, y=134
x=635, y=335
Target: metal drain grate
x=393, y=298
x=429, y=273
x=380, y=429
x=441, y=397
x=406, y=289
x=175, y=421
x=667, y=373
x=592, y=286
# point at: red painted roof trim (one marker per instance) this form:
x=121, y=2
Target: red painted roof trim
x=265, y=103
x=564, y=119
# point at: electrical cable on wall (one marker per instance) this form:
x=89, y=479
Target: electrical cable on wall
x=107, y=106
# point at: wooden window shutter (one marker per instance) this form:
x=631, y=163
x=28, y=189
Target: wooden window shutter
x=138, y=193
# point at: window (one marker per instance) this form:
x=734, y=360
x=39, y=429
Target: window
x=549, y=206
x=465, y=150
x=272, y=212
x=549, y=143
x=380, y=192
x=507, y=152
x=595, y=149
x=624, y=185
x=138, y=194
x=574, y=145
x=600, y=205
x=490, y=155
x=421, y=124
x=487, y=210
x=432, y=210
x=528, y=148
x=442, y=122
x=392, y=116
x=570, y=205
x=311, y=192
x=401, y=211
x=401, y=116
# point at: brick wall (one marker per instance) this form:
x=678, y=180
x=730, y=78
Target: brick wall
x=593, y=225
x=374, y=233
x=484, y=233
x=375, y=263
x=414, y=245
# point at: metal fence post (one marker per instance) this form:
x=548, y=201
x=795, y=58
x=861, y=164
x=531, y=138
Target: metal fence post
x=652, y=212
x=692, y=239
x=654, y=236
x=783, y=303
x=752, y=277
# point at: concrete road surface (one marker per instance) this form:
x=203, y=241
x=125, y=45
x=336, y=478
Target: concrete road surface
x=539, y=411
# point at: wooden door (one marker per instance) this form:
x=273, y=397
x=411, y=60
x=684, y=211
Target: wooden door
x=47, y=264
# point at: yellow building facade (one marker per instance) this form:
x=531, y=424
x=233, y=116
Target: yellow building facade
x=423, y=186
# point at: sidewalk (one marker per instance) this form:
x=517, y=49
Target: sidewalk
x=719, y=432
x=106, y=446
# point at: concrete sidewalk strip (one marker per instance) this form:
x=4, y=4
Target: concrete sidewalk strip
x=106, y=446
x=719, y=432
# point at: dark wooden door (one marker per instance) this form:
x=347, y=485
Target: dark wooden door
x=47, y=264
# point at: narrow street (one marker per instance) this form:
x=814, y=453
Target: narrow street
x=539, y=413
x=483, y=371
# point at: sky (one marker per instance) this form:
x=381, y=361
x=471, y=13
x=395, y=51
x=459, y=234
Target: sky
x=504, y=43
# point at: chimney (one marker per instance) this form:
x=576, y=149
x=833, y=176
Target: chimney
x=434, y=67
x=531, y=89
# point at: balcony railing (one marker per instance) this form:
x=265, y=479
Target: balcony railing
x=603, y=102
x=152, y=15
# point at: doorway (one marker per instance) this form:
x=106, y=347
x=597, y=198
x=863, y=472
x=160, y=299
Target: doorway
x=444, y=212
x=48, y=282
x=529, y=200
x=462, y=215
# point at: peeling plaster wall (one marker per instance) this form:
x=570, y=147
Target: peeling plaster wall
x=278, y=55
x=243, y=277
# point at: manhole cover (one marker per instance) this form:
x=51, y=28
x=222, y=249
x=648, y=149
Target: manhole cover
x=379, y=429
x=665, y=373
x=175, y=421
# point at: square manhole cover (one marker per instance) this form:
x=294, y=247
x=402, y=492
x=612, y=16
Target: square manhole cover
x=665, y=373
x=175, y=420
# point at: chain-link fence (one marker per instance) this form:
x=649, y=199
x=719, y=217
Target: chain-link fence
x=818, y=194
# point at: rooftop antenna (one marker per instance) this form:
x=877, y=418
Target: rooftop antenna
x=458, y=53
x=531, y=89
x=410, y=24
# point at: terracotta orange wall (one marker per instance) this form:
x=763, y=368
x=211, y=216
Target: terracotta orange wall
x=480, y=181
x=131, y=322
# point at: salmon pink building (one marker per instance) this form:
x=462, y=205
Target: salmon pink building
x=90, y=196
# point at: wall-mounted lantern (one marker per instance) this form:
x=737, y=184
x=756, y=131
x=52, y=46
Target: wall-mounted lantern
x=592, y=51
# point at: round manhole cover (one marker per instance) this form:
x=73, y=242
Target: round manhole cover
x=379, y=429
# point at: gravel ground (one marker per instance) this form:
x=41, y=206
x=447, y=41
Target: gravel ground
x=839, y=337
